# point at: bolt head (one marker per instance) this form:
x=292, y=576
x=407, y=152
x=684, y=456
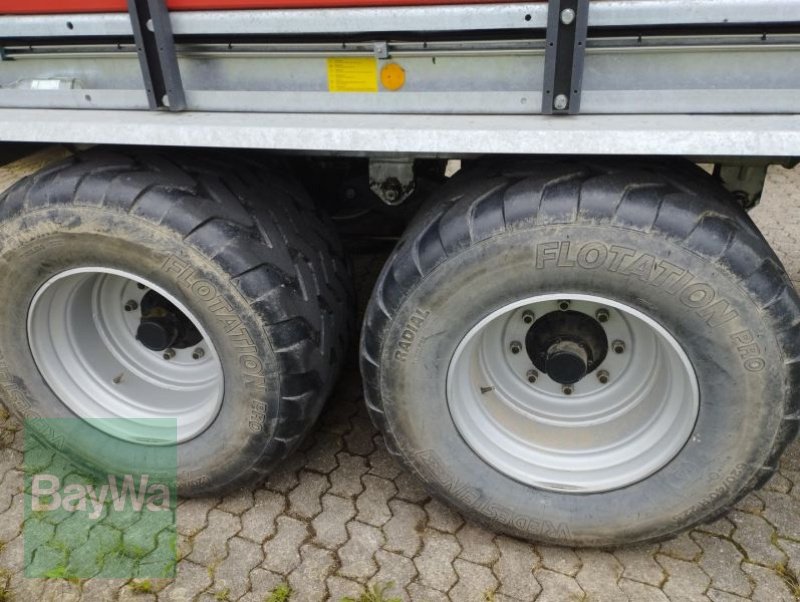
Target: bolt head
x=618, y=346
x=198, y=353
x=533, y=376
x=602, y=315
x=516, y=347
x=602, y=376
x=567, y=16
x=567, y=389
x=563, y=305
x=561, y=102
x=131, y=305
x=169, y=353
x=528, y=317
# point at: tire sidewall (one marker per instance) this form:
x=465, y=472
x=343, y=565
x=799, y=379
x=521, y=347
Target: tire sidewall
x=737, y=362
x=43, y=243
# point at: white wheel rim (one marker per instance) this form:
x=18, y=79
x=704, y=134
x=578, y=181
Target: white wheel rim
x=84, y=344
x=599, y=438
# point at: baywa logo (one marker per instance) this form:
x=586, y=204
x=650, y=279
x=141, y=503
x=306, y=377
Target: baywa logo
x=103, y=508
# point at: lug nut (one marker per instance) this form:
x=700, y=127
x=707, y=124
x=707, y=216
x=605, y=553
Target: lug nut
x=528, y=316
x=602, y=376
x=563, y=305
x=533, y=376
x=169, y=353
x=140, y=286
x=567, y=389
x=131, y=305
x=198, y=353
x=516, y=347
x=618, y=347
x=602, y=315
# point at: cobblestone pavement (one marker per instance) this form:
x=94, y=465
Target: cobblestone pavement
x=340, y=514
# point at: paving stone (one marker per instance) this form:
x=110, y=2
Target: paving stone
x=372, y=504
x=750, y=503
x=183, y=546
x=515, y=568
x=599, y=574
x=791, y=457
x=281, y=552
x=681, y=547
x=721, y=561
x=262, y=584
x=404, y=530
x=641, y=592
x=237, y=502
x=190, y=580
x=25, y=589
x=421, y=593
x=476, y=583
x=192, y=515
x=308, y=579
x=284, y=478
x=769, y=586
x=722, y=527
x=442, y=518
x=382, y=463
x=410, y=488
x=685, y=580
x=782, y=511
x=322, y=455
x=243, y=556
x=346, y=479
x=557, y=587
x=639, y=564
x=434, y=563
x=357, y=555
x=778, y=483
x=209, y=546
x=395, y=569
x=339, y=587
x=11, y=525
x=329, y=525
x=792, y=550
x=719, y=596
x=304, y=500
x=258, y=522
x=477, y=544
x=92, y=590
x=359, y=440
x=754, y=535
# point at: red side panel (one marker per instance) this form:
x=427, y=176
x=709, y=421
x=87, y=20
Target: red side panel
x=112, y=6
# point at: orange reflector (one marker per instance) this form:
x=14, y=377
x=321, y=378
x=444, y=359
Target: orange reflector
x=393, y=76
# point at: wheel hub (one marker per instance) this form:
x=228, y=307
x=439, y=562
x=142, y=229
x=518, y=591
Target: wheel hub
x=163, y=325
x=566, y=345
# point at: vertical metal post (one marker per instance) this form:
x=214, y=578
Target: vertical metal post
x=567, y=24
x=152, y=32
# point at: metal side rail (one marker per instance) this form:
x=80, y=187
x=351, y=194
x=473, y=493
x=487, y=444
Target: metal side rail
x=723, y=56
x=773, y=136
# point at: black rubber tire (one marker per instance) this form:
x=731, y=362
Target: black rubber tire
x=251, y=236
x=473, y=250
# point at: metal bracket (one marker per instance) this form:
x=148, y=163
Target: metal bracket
x=155, y=46
x=392, y=179
x=567, y=23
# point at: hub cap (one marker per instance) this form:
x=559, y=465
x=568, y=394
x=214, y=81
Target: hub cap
x=603, y=397
x=113, y=345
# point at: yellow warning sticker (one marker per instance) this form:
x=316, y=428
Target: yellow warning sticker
x=353, y=75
